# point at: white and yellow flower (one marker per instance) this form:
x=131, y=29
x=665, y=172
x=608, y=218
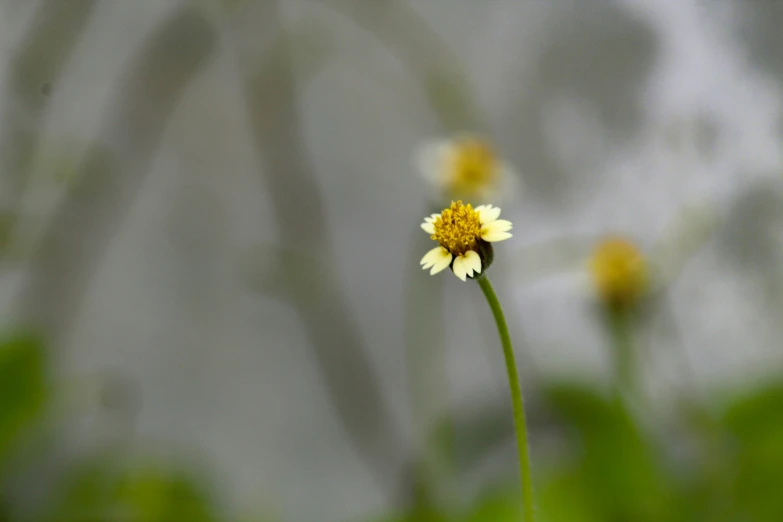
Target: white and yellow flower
x=620, y=272
x=464, y=235
x=464, y=167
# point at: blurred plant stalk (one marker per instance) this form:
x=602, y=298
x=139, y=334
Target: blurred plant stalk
x=82, y=226
x=30, y=79
x=440, y=75
x=620, y=275
x=304, y=269
x=620, y=326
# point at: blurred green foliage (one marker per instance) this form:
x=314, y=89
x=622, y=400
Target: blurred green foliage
x=752, y=425
x=150, y=494
x=613, y=472
x=23, y=390
x=612, y=465
x=497, y=504
x=106, y=486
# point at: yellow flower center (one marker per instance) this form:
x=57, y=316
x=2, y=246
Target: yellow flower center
x=619, y=272
x=474, y=167
x=458, y=228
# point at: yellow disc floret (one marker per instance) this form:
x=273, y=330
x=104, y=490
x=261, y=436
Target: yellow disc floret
x=458, y=228
x=473, y=168
x=619, y=272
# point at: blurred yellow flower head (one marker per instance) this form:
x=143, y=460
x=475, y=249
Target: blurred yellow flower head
x=464, y=235
x=464, y=166
x=619, y=272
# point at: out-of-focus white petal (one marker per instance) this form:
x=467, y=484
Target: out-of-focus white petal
x=509, y=182
x=432, y=160
x=428, y=227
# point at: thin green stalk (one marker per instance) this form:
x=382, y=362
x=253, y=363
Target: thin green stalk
x=516, y=397
x=622, y=349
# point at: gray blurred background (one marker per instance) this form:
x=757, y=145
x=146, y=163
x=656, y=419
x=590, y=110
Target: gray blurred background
x=214, y=204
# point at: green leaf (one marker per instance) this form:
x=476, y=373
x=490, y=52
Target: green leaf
x=471, y=434
x=563, y=497
x=427, y=514
x=753, y=412
x=22, y=388
x=500, y=505
x=101, y=489
x=156, y=496
x=611, y=470
x=89, y=490
x=754, y=452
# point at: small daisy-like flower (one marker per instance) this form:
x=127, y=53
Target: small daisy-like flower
x=619, y=272
x=464, y=166
x=464, y=235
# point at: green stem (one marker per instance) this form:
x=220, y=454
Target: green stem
x=516, y=397
x=622, y=350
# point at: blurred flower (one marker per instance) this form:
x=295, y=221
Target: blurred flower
x=619, y=272
x=464, y=234
x=464, y=167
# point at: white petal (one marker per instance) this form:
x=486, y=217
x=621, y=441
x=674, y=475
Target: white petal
x=428, y=263
x=501, y=225
x=474, y=261
x=482, y=208
x=433, y=257
x=441, y=265
x=494, y=236
x=432, y=160
x=509, y=181
x=508, y=186
x=428, y=227
x=469, y=262
x=460, y=267
x=489, y=214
